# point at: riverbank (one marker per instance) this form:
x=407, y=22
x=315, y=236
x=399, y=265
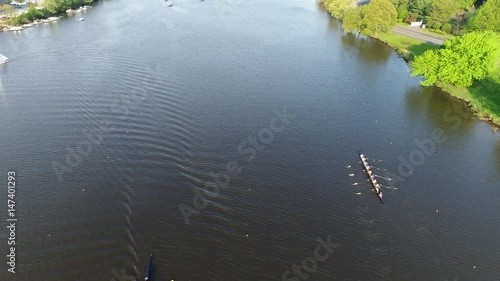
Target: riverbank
x=37, y=15
x=483, y=97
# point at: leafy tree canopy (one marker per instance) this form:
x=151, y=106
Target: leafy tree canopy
x=463, y=59
x=337, y=7
x=487, y=17
x=352, y=20
x=378, y=16
x=442, y=10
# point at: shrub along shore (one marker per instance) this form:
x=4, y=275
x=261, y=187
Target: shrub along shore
x=51, y=8
x=482, y=94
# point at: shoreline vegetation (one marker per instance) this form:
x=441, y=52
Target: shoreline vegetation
x=481, y=94
x=46, y=11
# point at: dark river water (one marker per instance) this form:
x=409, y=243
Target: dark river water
x=246, y=116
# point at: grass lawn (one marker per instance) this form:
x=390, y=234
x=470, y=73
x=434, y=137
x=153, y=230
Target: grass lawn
x=405, y=44
x=483, y=96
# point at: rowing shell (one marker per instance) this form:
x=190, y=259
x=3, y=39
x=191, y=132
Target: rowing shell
x=148, y=268
x=371, y=177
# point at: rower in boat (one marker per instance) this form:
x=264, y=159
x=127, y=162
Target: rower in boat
x=371, y=176
x=148, y=268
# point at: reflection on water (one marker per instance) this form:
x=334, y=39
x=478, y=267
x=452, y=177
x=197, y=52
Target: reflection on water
x=182, y=89
x=370, y=50
x=334, y=24
x=439, y=110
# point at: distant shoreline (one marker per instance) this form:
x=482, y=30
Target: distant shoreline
x=463, y=94
x=40, y=15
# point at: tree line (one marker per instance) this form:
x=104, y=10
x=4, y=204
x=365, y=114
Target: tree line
x=473, y=56
x=443, y=16
x=50, y=8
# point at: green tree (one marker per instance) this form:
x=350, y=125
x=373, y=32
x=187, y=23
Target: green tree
x=352, y=20
x=487, y=17
x=436, y=25
x=463, y=59
x=8, y=10
x=442, y=10
x=378, y=16
x=464, y=4
x=401, y=8
x=337, y=7
x=446, y=27
x=426, y=65
x=419, y=9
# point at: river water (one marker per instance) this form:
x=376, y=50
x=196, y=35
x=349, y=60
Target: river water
x=114, y=124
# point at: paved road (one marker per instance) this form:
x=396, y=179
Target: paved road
x=418, y=34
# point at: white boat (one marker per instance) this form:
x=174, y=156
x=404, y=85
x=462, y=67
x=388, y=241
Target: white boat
x=81, y=19
x=3, y=59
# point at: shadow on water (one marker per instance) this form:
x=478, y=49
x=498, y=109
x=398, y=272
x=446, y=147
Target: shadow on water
x=321, y=7
x=438, y=109
x=369, y=50
x=153, y=272
x=334, y=24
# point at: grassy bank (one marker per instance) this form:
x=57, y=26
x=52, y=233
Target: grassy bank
x=405, y=46
x=483, y=97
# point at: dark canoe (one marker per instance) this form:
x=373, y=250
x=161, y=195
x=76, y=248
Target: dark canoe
x=148, y=268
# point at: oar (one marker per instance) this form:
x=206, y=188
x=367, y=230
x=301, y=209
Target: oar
x=388, y=186
x=378, y=168
x=389, y=179
x=375, y=160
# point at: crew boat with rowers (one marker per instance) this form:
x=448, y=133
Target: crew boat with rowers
x=371, y=175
